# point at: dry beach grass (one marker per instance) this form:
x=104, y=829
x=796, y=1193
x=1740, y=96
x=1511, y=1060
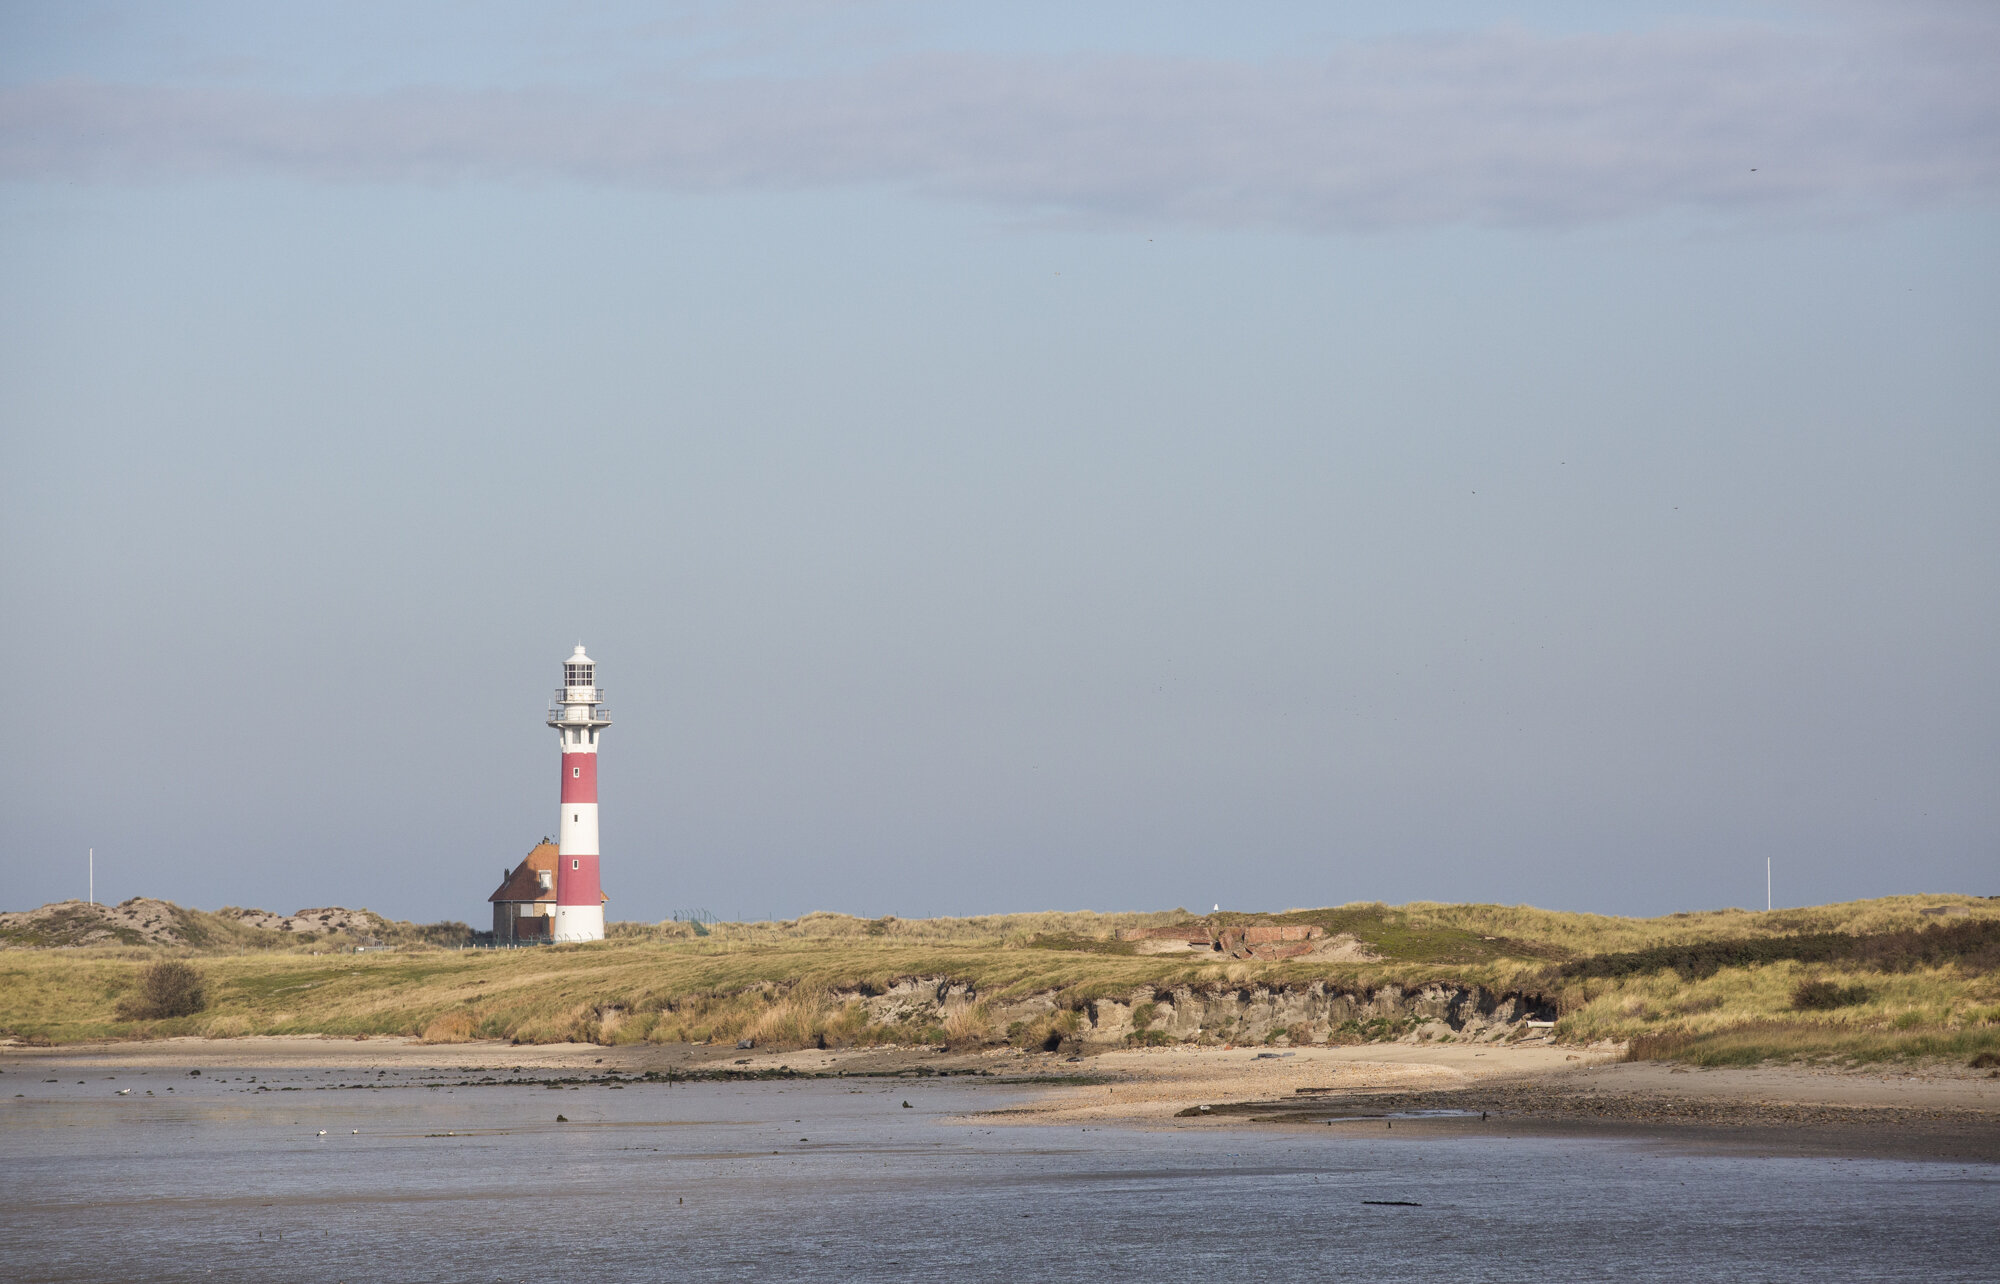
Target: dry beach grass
x=805, y=982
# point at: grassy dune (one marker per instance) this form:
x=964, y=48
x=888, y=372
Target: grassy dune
x=792, y=983
x=659, y=990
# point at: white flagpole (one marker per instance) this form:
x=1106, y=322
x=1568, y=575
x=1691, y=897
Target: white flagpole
x=93, y=876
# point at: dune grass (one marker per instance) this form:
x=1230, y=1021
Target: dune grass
x=796, y=983
x=1760, y=1042
x=1742, y=1015
x=1578, y=934
x=993, y=930
x=69, y=924
x=780, y=989
x=615, y=991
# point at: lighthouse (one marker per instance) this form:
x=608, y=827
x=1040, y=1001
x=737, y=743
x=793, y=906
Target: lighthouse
x=578, y=714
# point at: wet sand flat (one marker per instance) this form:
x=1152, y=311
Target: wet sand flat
x=1933, y=1112
x=1940, y=1112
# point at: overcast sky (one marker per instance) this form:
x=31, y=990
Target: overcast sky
x=1002, y=457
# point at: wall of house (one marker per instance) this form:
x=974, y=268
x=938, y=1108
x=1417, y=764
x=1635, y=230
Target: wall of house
x=515, y=921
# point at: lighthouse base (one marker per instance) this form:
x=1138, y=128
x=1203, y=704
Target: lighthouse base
x=579, y=923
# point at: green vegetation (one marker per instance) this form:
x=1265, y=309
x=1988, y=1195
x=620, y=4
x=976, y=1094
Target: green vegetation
x=1373, y=1030
x=168, y=988
x=1756, y=1042
x=1976, y=944
x=1408, y=933
x=1081, y=944
x=1824, y=996
x=1902, y=976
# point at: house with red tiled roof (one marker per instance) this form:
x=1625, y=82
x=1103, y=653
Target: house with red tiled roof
x=524, y=907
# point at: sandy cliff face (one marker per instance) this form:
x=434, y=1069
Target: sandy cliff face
x=1316, y=1012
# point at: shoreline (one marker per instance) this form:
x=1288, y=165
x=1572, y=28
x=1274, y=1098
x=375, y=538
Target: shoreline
x=1938, y=1112
x=1931, y=1112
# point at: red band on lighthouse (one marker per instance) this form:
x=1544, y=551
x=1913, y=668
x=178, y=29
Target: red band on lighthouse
x=576, y=882
x=579, y=778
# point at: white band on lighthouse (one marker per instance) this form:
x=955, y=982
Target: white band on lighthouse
x=578, y=714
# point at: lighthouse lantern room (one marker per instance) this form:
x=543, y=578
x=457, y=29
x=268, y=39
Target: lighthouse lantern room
x=578, y=714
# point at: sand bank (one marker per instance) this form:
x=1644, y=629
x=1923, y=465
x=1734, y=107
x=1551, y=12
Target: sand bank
x=1933, y=1112
x=1936, y=1112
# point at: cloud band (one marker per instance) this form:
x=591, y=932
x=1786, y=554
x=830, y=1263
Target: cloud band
x=1500, y=127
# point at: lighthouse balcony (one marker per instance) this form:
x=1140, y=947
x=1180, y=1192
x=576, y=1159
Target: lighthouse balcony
x=579, y=715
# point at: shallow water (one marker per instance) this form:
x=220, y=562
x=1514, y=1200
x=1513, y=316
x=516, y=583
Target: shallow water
x=219, y=1181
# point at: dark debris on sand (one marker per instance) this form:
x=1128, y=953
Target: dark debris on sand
x=1516, y=1109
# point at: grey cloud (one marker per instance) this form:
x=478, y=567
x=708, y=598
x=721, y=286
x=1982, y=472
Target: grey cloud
x=1504, y=127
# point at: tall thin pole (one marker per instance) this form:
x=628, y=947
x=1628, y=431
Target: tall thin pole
x=93, y=876
x=1767, y=884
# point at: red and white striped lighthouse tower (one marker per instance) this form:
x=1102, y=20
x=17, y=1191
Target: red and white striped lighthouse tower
x=578, y=714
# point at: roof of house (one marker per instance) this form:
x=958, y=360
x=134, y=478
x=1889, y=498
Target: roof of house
x=525, y=883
